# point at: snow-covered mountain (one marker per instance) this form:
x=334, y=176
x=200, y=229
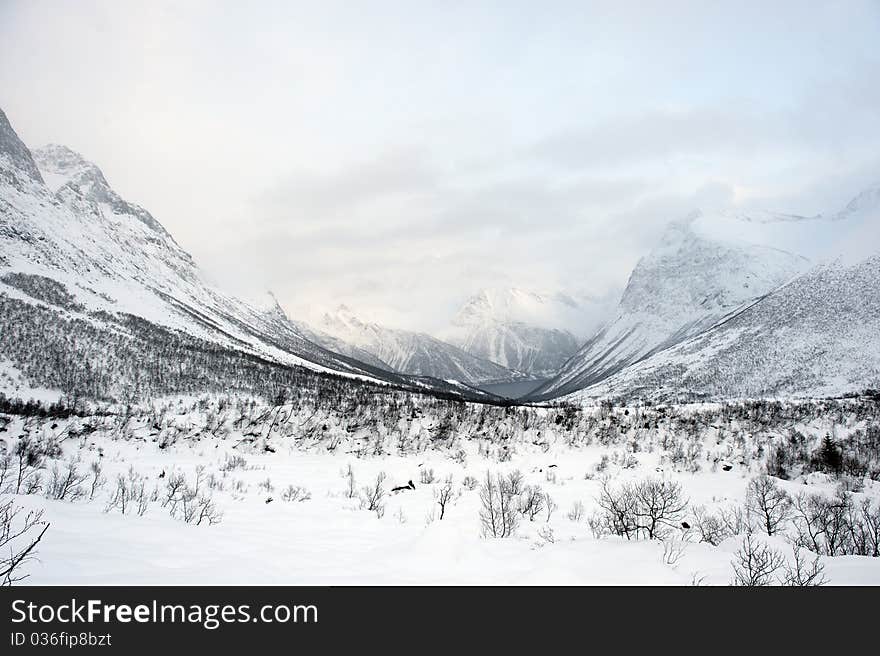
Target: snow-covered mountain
x=684, y=286
x=817, y=336
x=83, y=271
x=525, y=330
x=403, y=350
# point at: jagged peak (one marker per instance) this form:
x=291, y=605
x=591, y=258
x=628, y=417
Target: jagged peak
x=64, y=168
x=18, y=159
x=62, y=165
x=868, y=199
x=272, y=308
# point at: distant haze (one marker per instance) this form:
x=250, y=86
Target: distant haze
x=398, y=157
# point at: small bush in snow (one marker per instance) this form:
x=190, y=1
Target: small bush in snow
x=755, y=564
x=130, y=494
x=97, y=479
x=576, y=513
x=233, y=462
x=647, y=509
x=444, y=496
x=66, y=481
x=373, y=496
x=499, y=517
x=296, y=493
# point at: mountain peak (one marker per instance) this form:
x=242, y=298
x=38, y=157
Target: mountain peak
x=866, y=201
x=61, y=165
x=65, y=169
x=15, y=158
x=271, y=308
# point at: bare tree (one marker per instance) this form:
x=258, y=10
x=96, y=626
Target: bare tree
x=755, y=564
x=531, y=501
x=444, y=495
x=130, y=494
x=549, y=505
x=673, y=550
x=19, y=535
x=647, y=509
x=351, y=485
x=296, y=493
x=372, y=496
x=6, y=471
x=98, y=479
x=866, y=530
x=822, y=523
x=767, y=501
x=66, y=482
x=800, y=573
x=29, y=458
x=498, y=515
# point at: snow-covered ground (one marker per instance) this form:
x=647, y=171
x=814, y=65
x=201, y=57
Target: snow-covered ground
x=330, y=538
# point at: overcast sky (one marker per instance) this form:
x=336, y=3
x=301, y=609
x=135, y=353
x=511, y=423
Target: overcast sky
x=398, y=156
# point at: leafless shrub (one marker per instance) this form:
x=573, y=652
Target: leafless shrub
x=373, y=496
x=427, y=477
x=215, y=482
x=769, y=503
x=233, y=462
x=737, y=520
x=709, y=527
x=351, y=484
x=444, y=495
x=800, y=573
x=190, y=503
x=470, y=483
x=821, y=523
x=546, y=534
x=755, y=564
x=837, y=526
x=576, y=512
x=865, y=529
x=498, y=516
x=266, y=485
x=20, y=532
x=647, y=509
x=206, y=512
x=130, y=495
x=550, y=505
x=97, y=478
x=29, y=458
x=531, y=501
x=66, y=482
x=296, y=493
x=673, y=550
x=6, y=472
x=697, y=581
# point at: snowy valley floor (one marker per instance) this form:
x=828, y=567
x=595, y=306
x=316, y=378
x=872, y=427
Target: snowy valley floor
x=330, y=539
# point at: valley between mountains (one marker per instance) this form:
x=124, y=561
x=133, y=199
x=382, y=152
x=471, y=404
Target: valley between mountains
x=154, y=428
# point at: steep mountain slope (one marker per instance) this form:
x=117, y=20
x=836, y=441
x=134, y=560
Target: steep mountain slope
x=79, y=265
x=522, y=329
x=405, y=351
x=816, y=336
x=684, y=286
